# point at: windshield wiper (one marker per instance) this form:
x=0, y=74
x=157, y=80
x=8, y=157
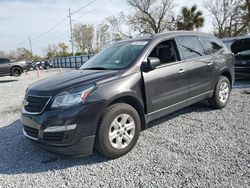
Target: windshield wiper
x=95, y=68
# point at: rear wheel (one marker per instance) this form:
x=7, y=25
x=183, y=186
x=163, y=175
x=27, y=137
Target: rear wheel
x=119, y=130
x=221, y=93
x=16, y=71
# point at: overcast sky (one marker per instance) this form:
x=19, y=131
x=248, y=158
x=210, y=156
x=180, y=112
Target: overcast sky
x=20, y=19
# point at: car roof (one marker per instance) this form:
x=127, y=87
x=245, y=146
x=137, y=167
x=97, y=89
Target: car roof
x=168, y=34
x=232, y=39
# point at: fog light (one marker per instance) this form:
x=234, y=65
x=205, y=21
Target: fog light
x=60, y=128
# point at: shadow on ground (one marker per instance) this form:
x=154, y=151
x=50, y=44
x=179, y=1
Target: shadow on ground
x=199, y=107
x=7, y=81
x=19, y=155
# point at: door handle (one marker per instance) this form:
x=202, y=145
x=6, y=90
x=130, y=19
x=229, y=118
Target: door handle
x=181, y=71
x=210, y=63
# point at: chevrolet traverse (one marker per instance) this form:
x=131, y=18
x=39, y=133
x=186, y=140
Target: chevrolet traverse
x=105, y=104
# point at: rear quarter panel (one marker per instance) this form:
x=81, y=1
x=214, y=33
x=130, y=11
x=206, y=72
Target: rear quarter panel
x=224, y=62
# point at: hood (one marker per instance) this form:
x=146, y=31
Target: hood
x=62, y=82
x=240, y=45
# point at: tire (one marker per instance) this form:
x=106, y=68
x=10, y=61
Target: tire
x=114, y=140
x=221, y=94
x=16, y=71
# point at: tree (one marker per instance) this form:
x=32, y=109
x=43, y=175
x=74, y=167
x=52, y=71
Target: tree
x=23, y=54
x=83, y=36
x=103, y=37
x=151, y=16
x=190, y=19
x=63, y=50
x=246, y=15
x=118, y=25
x=51, y=51
x=231, y=17
x=59, y=50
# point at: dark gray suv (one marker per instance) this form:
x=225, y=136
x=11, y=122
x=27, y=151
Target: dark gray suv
x=113, y=96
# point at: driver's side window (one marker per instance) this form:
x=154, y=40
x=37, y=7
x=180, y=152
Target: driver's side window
x=165, y=51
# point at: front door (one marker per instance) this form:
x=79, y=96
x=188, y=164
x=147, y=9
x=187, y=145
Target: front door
x=166, y=87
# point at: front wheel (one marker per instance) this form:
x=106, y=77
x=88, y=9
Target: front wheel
x=221, y=94
x=16, y=71
x=119, y=130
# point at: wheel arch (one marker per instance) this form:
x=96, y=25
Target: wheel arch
x=16, y=66
x=227, y=74
x=135, y=103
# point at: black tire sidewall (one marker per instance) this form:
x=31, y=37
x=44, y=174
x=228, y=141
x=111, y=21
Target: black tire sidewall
x=105, y=146
x=14, y=69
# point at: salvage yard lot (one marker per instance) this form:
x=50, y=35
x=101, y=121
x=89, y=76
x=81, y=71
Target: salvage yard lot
x=194, y=147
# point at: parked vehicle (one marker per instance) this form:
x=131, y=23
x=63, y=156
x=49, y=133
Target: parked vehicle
x=47, y=65
x=9, y=68
x=32, y=66
x=113, y=96
x=240, y=46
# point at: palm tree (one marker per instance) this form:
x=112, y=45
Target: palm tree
x=190, y=19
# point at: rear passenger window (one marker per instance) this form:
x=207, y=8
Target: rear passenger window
x=210, y=44
x=190, y=47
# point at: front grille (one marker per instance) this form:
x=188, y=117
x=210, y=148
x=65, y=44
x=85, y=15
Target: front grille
x=53, y=136
x=35, y=104
x=32, y=132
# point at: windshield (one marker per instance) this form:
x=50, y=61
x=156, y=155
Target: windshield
x=117, y=56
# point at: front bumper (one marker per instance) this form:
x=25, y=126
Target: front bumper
x=76, y=141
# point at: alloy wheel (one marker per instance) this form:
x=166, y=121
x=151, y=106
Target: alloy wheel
x=122, y=131
x=224, y=92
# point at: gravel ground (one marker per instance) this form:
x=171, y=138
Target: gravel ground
x=194, y=147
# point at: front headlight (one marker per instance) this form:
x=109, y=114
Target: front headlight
x=73, y=97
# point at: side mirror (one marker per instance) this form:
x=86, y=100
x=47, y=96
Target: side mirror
x=150, y=64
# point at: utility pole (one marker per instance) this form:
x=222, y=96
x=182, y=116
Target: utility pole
x=71, y=32
x=30, y=46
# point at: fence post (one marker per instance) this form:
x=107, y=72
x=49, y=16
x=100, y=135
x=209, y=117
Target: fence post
x=75, y=60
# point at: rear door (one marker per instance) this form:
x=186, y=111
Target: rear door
x=199, y=68
x=166, y=87
x=214, y=56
